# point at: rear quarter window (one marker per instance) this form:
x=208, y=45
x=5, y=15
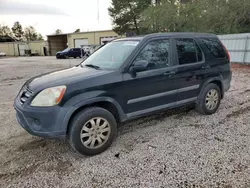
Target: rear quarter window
x=215, y=47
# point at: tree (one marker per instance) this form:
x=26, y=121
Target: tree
x=126, y=15
x=58, y=31
x=5, y=34
x=17, y=31
x=77, y=31
x=39, y=36
x=30, y=34
x=160, y=17
x=5, y=31
x=215, y=16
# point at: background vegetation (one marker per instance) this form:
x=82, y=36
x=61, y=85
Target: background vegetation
x=147, y=16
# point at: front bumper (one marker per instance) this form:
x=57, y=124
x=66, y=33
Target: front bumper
x=60, y=56
x=43, y=122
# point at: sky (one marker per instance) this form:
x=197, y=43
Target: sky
x=48, y=15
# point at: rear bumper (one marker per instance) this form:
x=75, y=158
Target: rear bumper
x=227, y=82
x=43, y=122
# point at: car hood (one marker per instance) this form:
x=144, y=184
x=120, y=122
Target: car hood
x=63, y=77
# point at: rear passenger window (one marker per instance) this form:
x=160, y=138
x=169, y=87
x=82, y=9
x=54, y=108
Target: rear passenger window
x=188, y=51
x=215, y=47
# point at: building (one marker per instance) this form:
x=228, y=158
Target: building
x=74, y=40
x=19, y=48
x=57, y=43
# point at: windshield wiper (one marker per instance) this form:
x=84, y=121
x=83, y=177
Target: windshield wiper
x=92, y=66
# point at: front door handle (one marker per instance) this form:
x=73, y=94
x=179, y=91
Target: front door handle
x=205, y=66
x=169, y=73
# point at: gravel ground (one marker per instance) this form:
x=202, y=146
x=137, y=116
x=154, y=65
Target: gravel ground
x=177, y=148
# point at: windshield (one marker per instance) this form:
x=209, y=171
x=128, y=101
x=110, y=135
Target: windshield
x=112, y=55
x=67, y=49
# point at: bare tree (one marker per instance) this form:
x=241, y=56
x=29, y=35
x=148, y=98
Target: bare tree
x=58, y=31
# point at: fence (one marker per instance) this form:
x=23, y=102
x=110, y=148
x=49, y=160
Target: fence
x=238, y=46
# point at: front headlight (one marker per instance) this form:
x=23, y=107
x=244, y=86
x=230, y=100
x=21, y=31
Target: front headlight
x=49, y=97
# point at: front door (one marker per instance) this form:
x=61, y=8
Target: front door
x=154, y=88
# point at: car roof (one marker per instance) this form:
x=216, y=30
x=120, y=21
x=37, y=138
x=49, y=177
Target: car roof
x=175, y=34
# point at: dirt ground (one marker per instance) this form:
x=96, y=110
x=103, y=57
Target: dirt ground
x=177, y=148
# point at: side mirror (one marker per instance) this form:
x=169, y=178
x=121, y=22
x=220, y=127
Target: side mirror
x=140, y=65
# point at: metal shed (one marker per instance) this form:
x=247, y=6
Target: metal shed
x=238, y=46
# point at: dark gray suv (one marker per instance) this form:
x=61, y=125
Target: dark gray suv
x=125, y=79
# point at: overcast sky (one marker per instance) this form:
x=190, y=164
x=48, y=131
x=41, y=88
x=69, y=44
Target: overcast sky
x=48, y=15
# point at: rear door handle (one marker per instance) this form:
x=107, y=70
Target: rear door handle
x=169, y=73
x=205, y=66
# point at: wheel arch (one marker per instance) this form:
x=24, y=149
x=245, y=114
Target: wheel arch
x=104, y=102
x=217, y=81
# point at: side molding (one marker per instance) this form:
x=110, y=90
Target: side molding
x=172, y=92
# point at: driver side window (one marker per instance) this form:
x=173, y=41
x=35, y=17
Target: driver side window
x=156, y=53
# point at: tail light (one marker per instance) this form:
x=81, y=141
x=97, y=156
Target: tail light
x=227, y=53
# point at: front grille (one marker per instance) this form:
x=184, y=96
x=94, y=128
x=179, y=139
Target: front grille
x=25, y=94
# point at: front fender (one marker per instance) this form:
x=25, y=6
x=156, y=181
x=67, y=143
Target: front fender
x=77, y=104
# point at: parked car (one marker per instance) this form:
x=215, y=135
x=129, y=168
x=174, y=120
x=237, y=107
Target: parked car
x=123, y=80
x=2, y=54
x=89, y=49
x=70, y=52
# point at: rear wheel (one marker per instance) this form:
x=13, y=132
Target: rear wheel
x=92, y=131
x=209, y=99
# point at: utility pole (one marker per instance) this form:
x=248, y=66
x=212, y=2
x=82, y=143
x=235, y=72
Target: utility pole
x=98, y=16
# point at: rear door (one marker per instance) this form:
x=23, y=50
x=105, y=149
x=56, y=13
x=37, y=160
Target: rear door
x=217, y=58
x=190, y=68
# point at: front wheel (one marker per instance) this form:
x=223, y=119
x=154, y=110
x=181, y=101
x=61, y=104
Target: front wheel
x=209, y=99
x=92, y=131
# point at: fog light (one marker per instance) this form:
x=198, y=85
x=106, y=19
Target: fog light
x=37, y=122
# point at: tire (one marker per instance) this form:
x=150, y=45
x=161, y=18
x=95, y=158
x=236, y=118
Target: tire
x=82, y=125
x=74, y=57
x=207, y=106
